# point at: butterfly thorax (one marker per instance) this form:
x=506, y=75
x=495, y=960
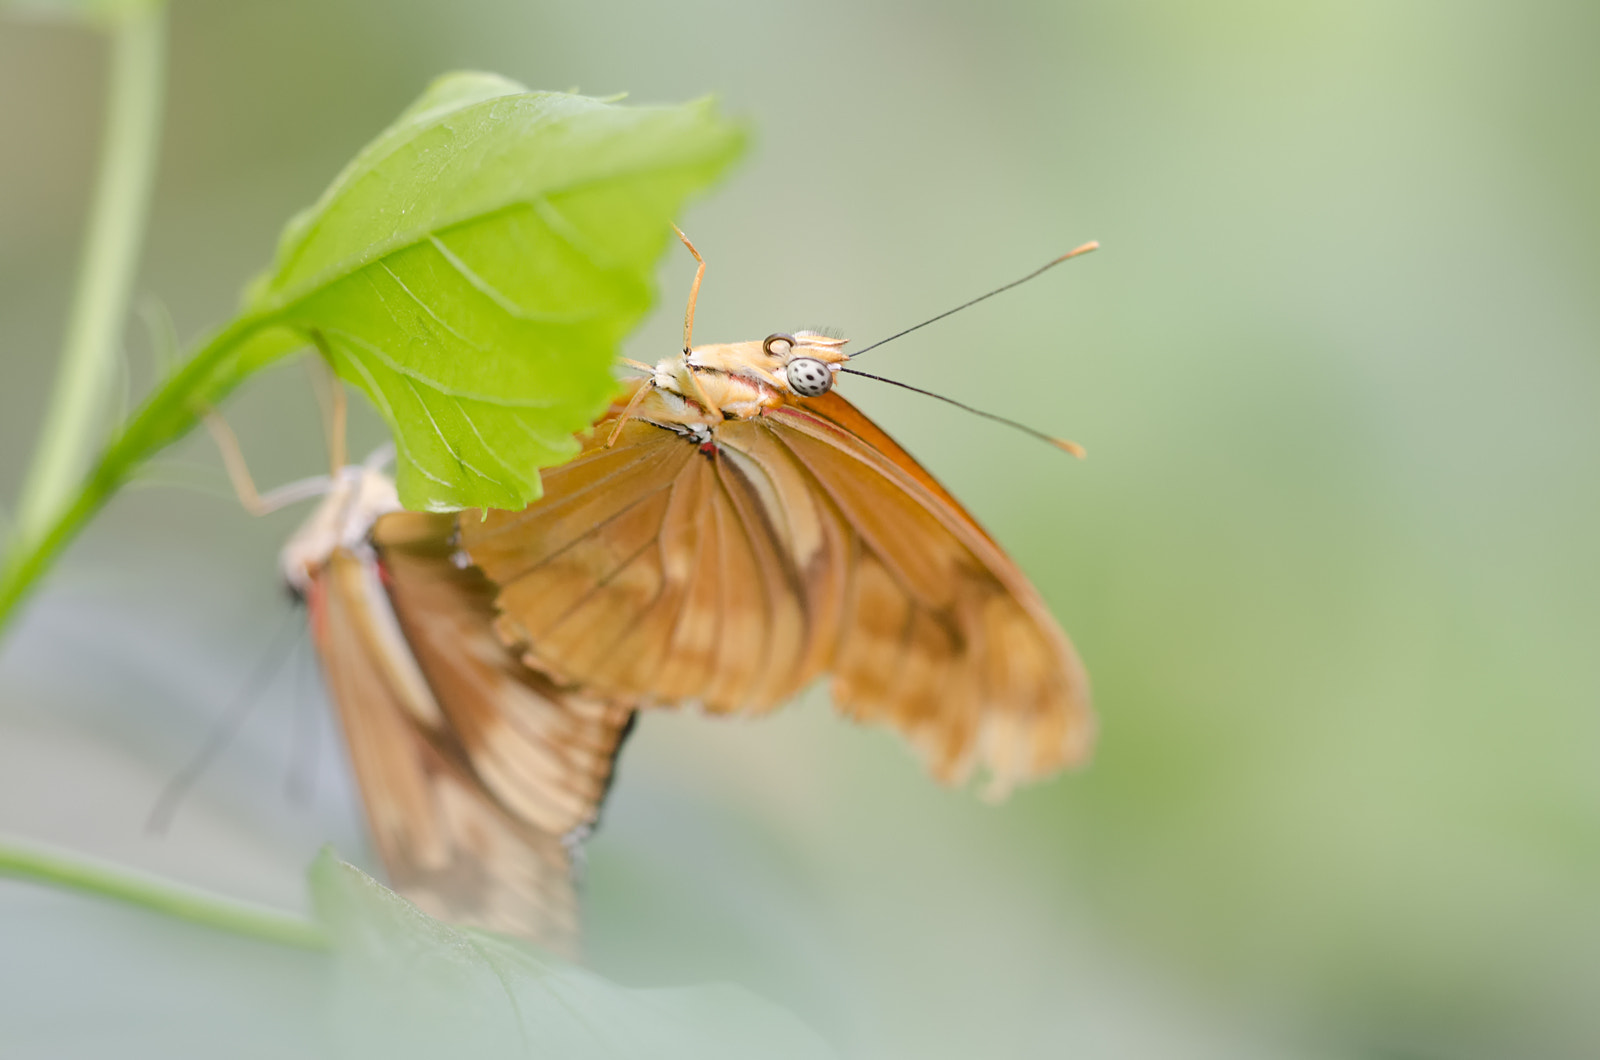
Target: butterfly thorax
x=357, y=496
x=736, y=380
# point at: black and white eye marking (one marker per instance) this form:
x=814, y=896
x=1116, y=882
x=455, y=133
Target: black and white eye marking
x=809, y=377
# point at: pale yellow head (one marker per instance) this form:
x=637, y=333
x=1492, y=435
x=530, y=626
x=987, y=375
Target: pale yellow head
x=802, y=364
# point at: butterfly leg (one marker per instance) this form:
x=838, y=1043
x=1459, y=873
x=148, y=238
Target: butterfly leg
x=244, y=486
x=331, y=400
x=694, y=292
x=690, y=386
x=628, y=411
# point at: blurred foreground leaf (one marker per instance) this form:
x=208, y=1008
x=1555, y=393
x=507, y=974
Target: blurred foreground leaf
x=409, y=985
x=372, y=976
x=475, y=267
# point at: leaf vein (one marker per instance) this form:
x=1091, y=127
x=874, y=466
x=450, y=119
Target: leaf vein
x=481, y=285
x=487, y=448
x=446, y=442
x=388, y=413
x=566, y=231
x=379, y=354
x=426, y=308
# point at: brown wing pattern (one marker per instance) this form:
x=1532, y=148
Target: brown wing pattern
x=801, y=542
x=545, y=753
x=472, y=768
x=982, y=674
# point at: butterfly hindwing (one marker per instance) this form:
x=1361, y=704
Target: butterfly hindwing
x=472, y=768
x=544, y=752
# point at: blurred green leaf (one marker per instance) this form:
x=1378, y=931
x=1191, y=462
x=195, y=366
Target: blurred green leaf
x=475, y=267
x=93, y=12
x=409, y=985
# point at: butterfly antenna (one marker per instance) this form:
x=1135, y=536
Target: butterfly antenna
x=1068, y=256
x=1060, y=443
x=300, y=784
x=225, y=728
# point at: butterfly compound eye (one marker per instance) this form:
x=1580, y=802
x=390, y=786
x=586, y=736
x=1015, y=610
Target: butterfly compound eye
x=809, y=377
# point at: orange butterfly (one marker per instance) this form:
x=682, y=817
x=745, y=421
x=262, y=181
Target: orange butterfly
x=736, y=529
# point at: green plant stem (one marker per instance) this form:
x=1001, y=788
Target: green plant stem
x=105, y=280
x=28, y=862
x=165, y=415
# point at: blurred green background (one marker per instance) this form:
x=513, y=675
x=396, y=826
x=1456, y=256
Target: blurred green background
x=1332, y=561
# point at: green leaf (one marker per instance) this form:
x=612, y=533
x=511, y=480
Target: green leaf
x=475, y=268
x=409, y=985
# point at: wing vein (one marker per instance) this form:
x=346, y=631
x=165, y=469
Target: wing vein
x=581, y=538
x=833, y=498
x=599, y=583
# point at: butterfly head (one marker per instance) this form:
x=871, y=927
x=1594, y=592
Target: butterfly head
x=805, y=361
x=721, y=381
x=802, y=364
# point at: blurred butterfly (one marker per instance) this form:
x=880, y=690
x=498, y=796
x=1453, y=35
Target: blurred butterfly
x=480, y=777
x=735, y=529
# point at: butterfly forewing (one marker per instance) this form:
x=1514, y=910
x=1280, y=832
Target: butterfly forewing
x=798, y=542
x=1017, y=698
